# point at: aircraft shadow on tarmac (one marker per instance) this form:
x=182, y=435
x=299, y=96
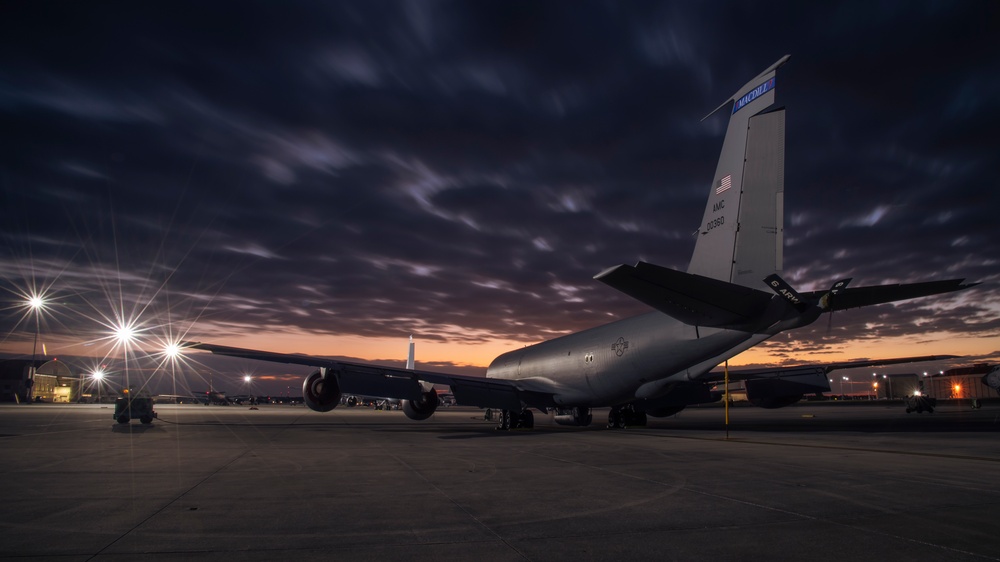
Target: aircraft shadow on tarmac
x=860, y=420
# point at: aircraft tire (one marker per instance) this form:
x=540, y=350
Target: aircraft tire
x=527, y=419
x=503, y=424
x=616, y=419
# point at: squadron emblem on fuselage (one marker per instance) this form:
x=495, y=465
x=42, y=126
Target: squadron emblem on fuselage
x=619, y=346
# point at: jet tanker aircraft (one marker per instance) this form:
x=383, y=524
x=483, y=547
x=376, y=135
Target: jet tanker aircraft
x=730, y=299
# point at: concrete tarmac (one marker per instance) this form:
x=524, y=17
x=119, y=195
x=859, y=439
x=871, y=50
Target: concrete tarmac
x=809, y=482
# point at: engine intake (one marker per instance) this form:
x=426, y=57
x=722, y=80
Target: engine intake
x=422, y=409
x=321, y=392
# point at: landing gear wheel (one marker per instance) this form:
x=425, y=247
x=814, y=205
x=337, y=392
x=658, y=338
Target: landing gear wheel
x=527, y=419
x=503, y=424
x=616, y=419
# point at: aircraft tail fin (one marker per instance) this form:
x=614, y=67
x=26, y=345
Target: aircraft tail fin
x=741, y=234
x=409, y=357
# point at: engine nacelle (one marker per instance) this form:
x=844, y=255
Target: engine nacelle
x=422, y=409
x=579, y=417
x=321, y=392
x=785, y=391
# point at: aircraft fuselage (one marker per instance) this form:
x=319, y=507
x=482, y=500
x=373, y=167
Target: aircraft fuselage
x=618, y=362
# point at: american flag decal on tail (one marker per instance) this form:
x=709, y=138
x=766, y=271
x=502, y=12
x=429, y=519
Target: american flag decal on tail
x=724, y=184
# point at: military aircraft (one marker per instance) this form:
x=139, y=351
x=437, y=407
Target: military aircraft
x=208, y=397
x=992, y=378
x=730, y=299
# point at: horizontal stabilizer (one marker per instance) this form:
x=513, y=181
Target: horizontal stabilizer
x=692, y=299
x=879, y=294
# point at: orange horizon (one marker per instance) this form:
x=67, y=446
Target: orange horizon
x=479, y=355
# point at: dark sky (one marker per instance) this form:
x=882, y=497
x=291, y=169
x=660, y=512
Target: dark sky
x=292, y=174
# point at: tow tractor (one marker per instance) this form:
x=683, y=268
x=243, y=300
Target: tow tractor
x=134, y=404
x=919, y=403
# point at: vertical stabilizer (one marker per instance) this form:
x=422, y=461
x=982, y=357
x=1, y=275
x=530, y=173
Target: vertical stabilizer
x=741, y=232
x=409, y=358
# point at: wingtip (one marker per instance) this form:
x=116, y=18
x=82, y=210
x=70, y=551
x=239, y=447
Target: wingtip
x=600, y=276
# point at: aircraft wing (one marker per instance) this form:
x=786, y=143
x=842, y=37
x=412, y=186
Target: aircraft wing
x=806, y=370
x=395, y=382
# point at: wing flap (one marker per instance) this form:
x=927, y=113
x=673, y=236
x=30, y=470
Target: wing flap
x=690, y=298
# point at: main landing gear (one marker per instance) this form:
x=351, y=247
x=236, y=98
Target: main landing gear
x=620, y=418
x=509, y=419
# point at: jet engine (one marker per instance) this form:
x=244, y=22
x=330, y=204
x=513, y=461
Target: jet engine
x=422, y=409
x=785, y=391
x=773, y=394
x=321, y=392
x=580, y=417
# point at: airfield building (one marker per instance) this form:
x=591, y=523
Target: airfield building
x=51, y=381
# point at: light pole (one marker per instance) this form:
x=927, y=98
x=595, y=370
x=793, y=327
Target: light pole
x=98, y=376
x=124, y=334
x=36, y=303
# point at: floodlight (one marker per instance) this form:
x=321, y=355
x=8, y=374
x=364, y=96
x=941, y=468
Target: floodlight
x=172, y=350
x=124, y=334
